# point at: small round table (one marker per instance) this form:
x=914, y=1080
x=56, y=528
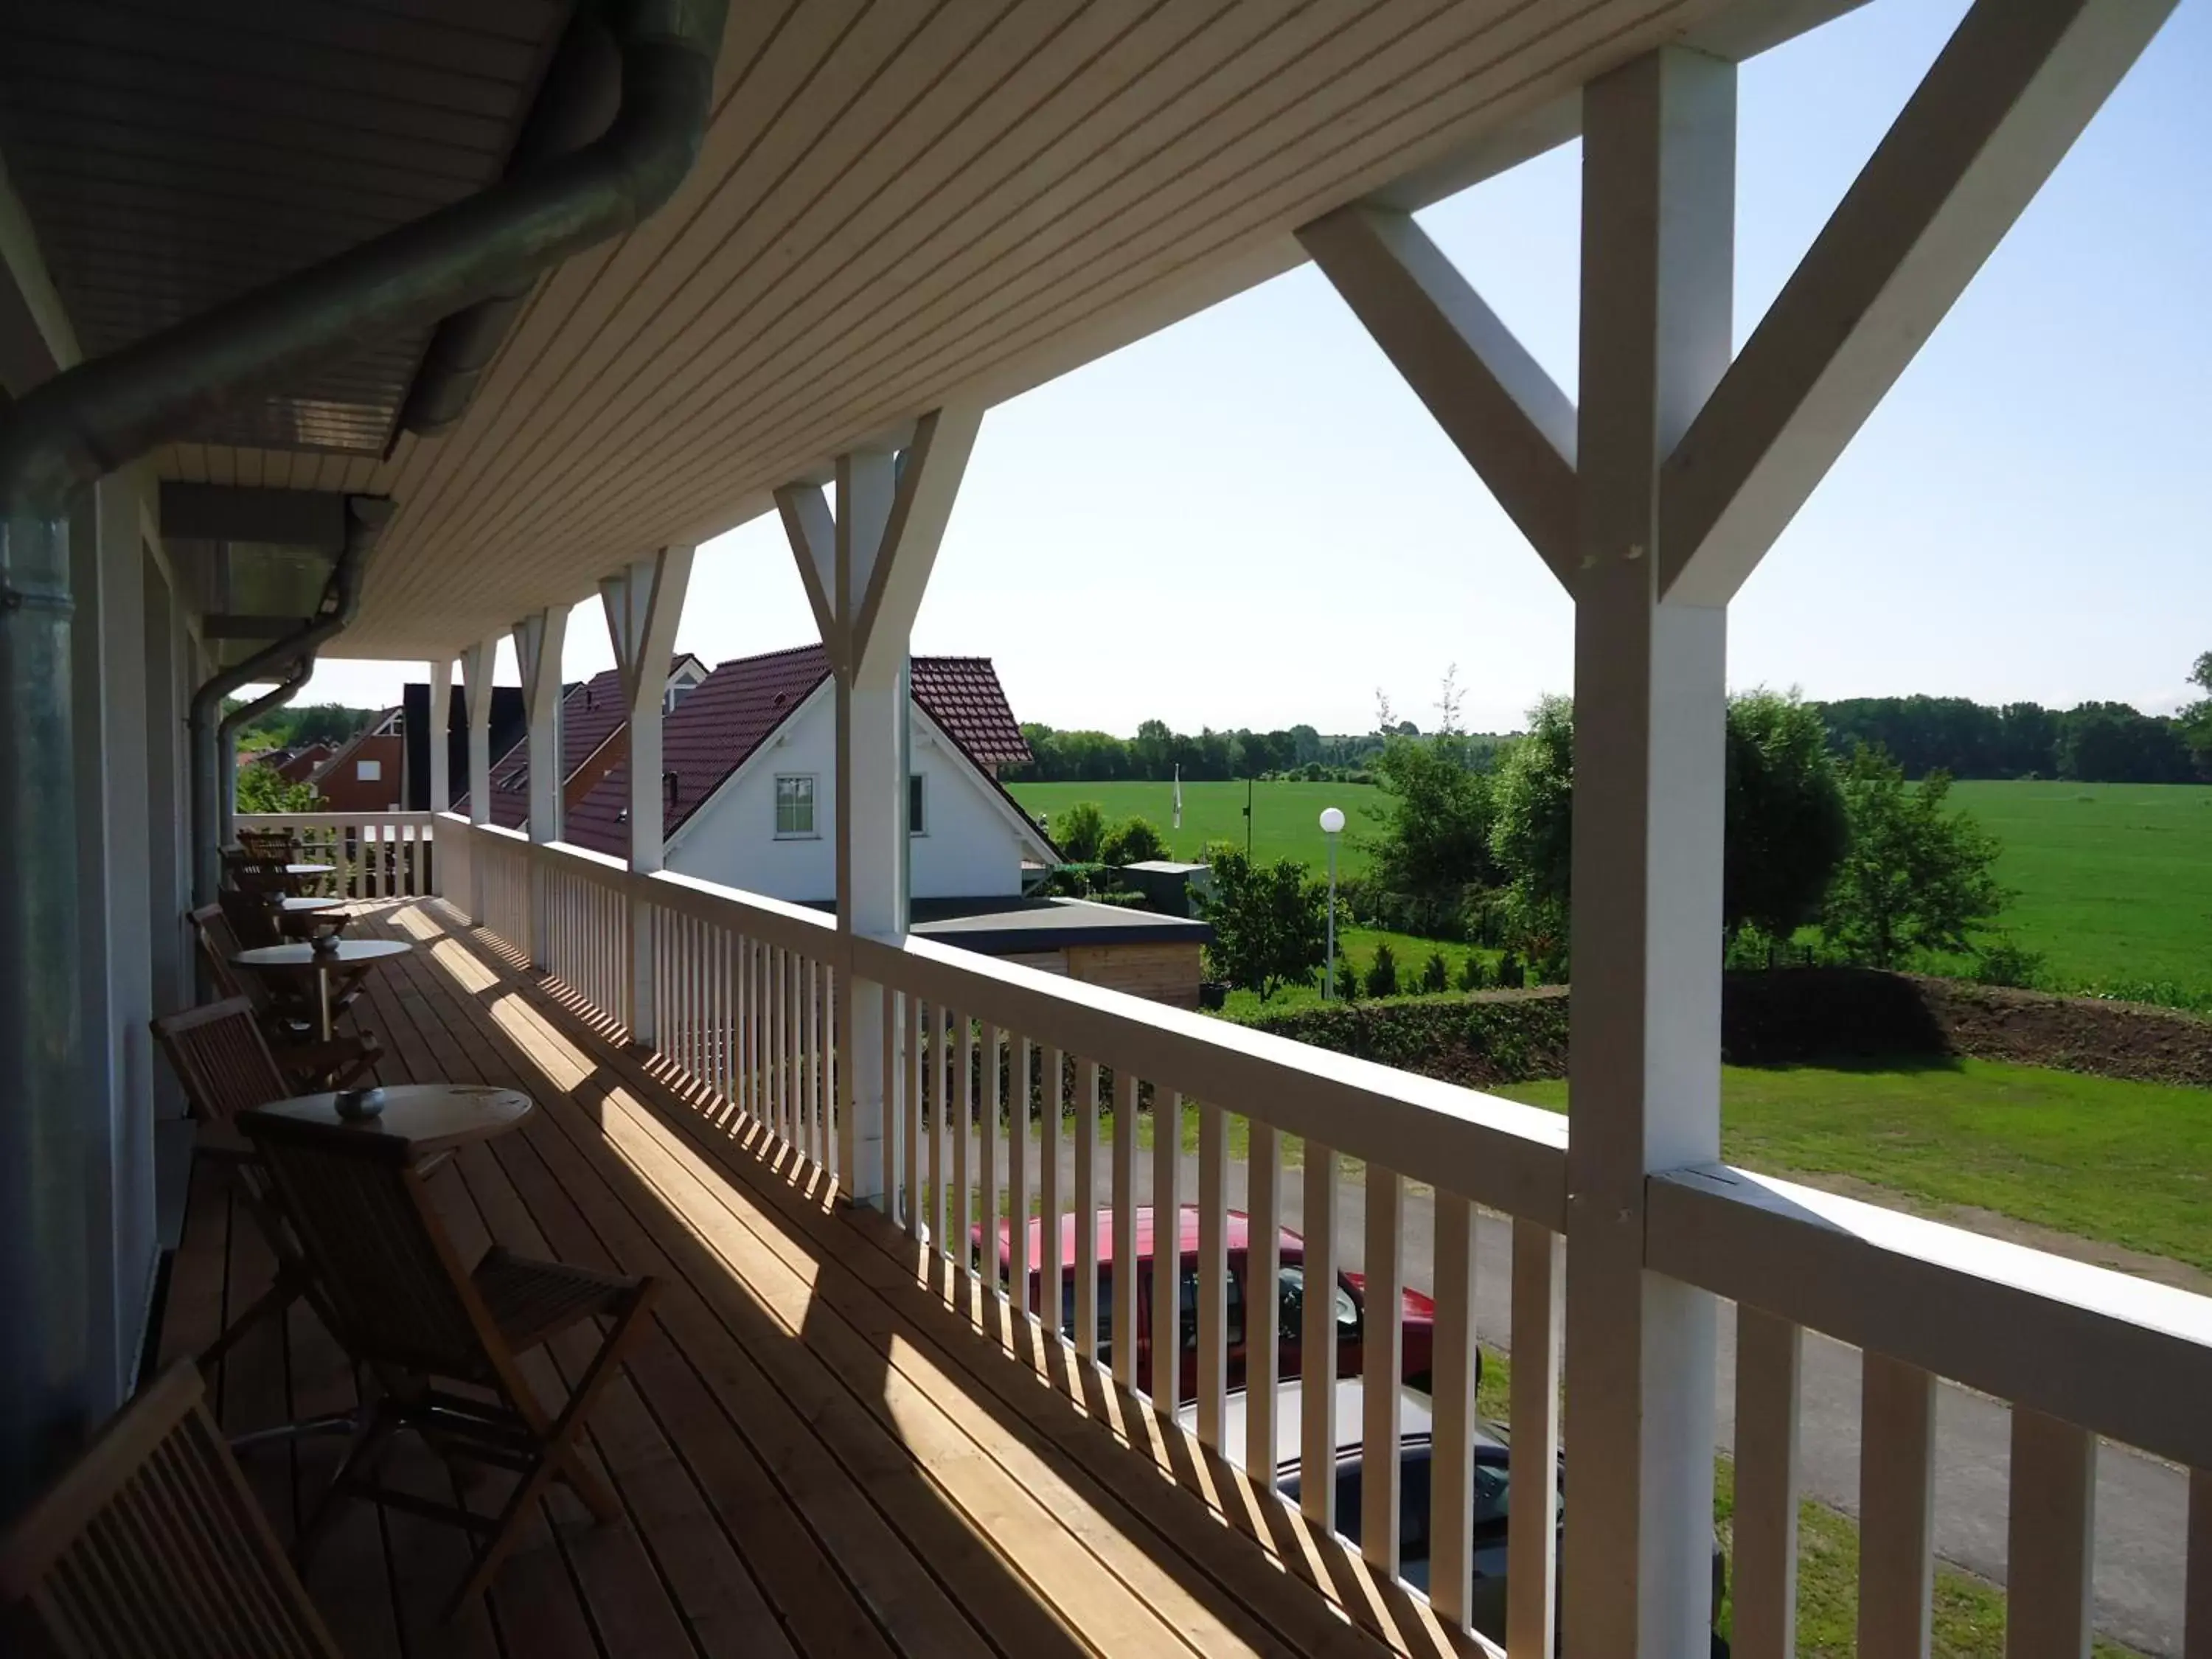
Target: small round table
x=349, y=953
x=298, y=904
x=430, y=1117
x=310, y=869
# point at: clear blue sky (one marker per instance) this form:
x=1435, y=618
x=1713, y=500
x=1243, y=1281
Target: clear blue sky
x=1247, y=519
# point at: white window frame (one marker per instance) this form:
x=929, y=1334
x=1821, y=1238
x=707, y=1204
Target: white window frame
x=812, y=832
x=917, y=793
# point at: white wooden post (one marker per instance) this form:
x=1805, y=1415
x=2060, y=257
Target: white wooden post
x=865, y=567
x=476, y=663
x=1644, y=1068
x=537, y=640
x=439, y=734
x=643, y=602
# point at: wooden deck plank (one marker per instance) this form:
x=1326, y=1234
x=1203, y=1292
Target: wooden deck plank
x=821, y=1447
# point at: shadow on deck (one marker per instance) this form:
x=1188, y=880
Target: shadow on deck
x=826, y=1445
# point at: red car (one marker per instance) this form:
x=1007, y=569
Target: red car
x=1417, y=1317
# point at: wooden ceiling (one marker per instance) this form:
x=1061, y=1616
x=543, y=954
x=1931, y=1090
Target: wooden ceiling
x=898, y=203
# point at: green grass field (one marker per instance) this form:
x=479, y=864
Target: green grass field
x=2114, y=880
x=1285, y=817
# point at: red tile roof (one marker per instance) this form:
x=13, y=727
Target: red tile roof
x=590, y=714
x=732, y=712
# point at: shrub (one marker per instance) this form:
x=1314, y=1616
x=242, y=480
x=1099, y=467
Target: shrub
x=2003, y=962
x=1511, y=976
x=1079, y=830
x=1269, y=923
x=1347, y=980
x=1470, y=972
x=1132, y=841
x=1435, y=973
x=1383, y=972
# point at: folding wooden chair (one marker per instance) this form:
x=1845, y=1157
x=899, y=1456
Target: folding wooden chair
x=226, y=1066
x=403, y=1303
x=152, y=1547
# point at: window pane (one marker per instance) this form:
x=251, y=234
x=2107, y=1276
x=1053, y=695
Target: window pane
x=795, y=805
x=1292, y=1317
x=368, y=771
x=916, y=797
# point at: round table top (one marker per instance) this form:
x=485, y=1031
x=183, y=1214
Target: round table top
x=349, y=951
x=429, y=1116
x=308, y=901
x=310, y=869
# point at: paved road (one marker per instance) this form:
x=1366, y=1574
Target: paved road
x=2141, y=1511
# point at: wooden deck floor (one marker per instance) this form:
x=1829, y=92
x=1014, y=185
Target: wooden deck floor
x=821, y=1447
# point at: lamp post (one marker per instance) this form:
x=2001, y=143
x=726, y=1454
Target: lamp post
x=1332, y=826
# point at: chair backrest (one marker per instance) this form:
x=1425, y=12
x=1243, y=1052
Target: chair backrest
x=153, y=1543
x=391, y=1277
x=221, y=1059
x=251, y=915
x=276, y=844
x=218, y=944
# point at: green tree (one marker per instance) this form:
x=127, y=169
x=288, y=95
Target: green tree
x=264, y=789
x=1383, y=972
x=1532, y=836
x=1132, y=841
x=1270, y=922
x=1916, y=876
x=1470, y=972
x=2114, y=743
x=1435, y=835
x=1078, y=831
x=2196, y=721
x=1785, y=824
x=1435, y=973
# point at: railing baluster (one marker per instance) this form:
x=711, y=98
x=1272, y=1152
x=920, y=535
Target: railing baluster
x=816, y=1039
x=1383, y=1353
x=2049, y=1539
x=1086, y=1211
x=1769, y=1355
x=1532, y=1526
x=1896, y=1507
x=1317, y=1339
x=1211, y=1383
x=1021, y=1172
x=1263, y=1275
x=1124, y=1279
x=1166, y=1378
x=1053, y=1269
x=912, y=1032
x=1451, y=1470
x=958, y=1121
x=940, y=1109
x=986, y=1210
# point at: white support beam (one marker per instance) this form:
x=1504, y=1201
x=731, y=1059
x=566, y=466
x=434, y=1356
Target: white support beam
x=1658, y=224
x=2005, y=100
x=439, y=734
x=477, y=665
x=1508, y=418
x=865, y=566
x=643, y=603
x=538, y=639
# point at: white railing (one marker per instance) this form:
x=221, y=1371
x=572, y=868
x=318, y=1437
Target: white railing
x=975, y=1051
x=372, y=854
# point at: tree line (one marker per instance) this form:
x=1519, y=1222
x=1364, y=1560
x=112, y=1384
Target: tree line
x=2090, y=742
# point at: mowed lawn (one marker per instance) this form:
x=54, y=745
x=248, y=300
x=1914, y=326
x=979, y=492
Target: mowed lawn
x=1285, y=817
x=2114, y=880
x=2127, y=1163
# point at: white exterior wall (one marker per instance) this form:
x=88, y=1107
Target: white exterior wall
x=970, y=849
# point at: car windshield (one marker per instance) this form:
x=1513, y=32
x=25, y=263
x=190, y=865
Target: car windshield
x=1294, y=1303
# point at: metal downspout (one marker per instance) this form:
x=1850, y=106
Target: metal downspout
x=65, y=434
x=210, y=770
x=226, y=747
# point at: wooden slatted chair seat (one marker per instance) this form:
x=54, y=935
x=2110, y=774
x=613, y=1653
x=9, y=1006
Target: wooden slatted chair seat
x=403, y=1305
x=152, y=1545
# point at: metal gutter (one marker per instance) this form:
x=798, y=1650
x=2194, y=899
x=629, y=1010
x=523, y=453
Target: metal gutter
x=226, y=740
x=98, y=416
